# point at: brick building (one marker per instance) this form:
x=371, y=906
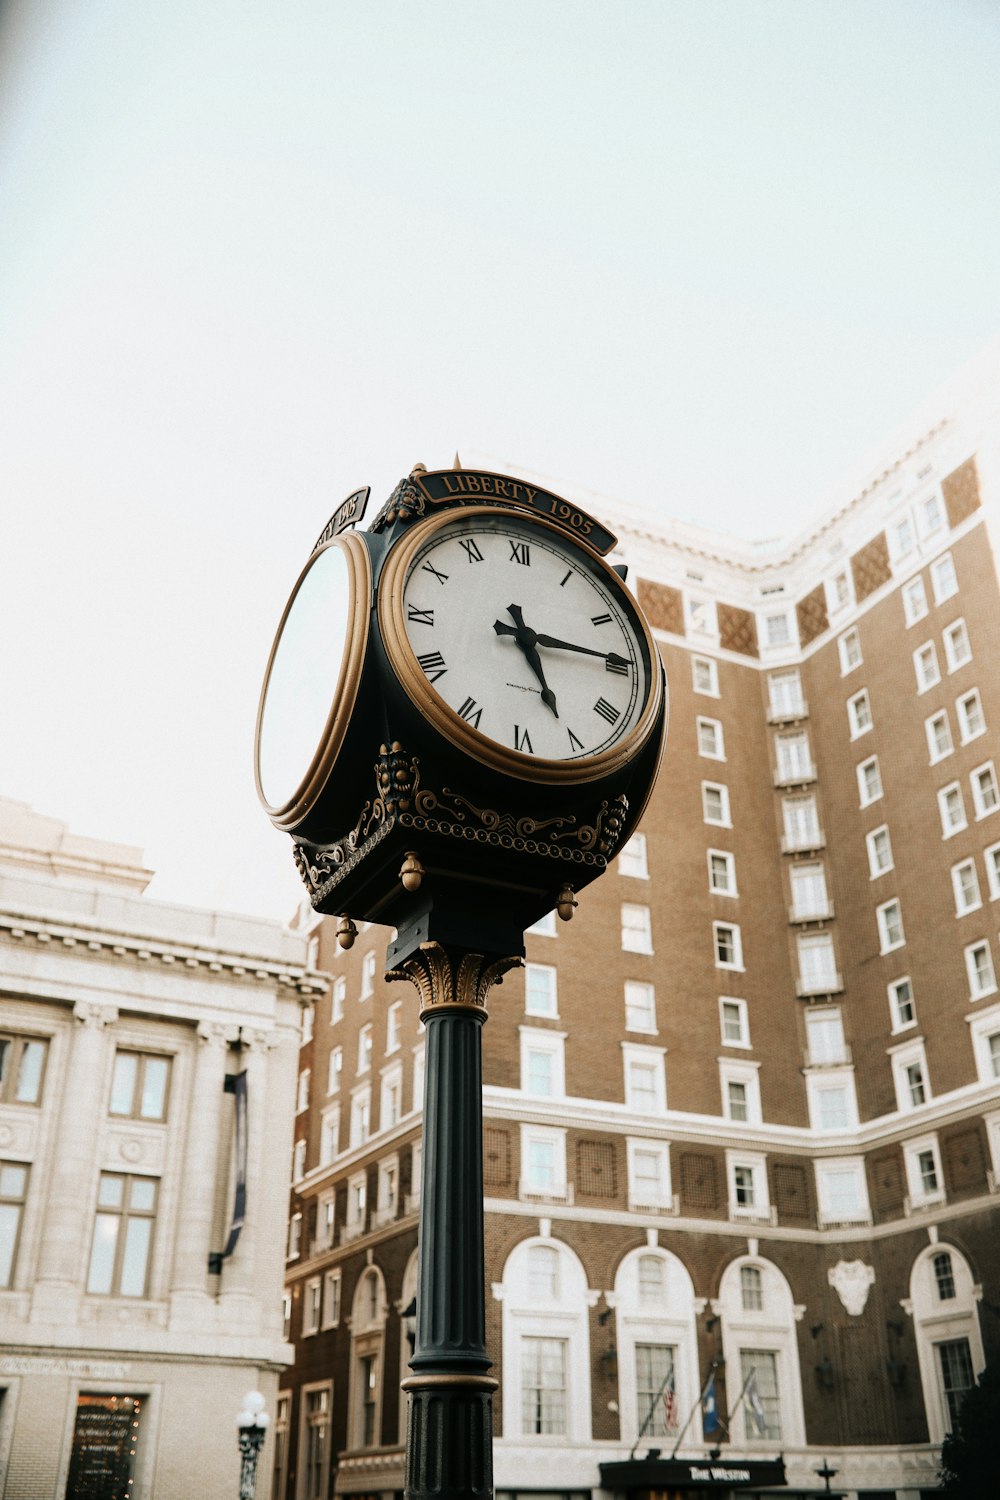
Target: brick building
x=745, y=1108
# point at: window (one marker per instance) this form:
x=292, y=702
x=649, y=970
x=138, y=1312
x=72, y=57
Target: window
x=979, y=964
x=785, y=695
x=762, y=1417
x=831, y=1101
x=957, y=649
x=991, y=858
x=794, y=760
x=544, y=927
x=387, y=1191
x=944, y=1276
x=632, y=860
x=869, y=781
x=543, y=1386
x=705, y=676
x=391, y=1101
x=326, y=1213
x=540, y=998
x=543, y=1272
x=392, y=1016
x=930, y=515
x=298, y=1160
x=954, y=1360
x=842, y=1191
x=890, y=926
x=751, y=1289
x=361, y=1116
x=728, y=945
x=13, y=1191
x=825, y=1035
x=925, y=665
x=715, y=803
x=365, y=1048
x=951, y=805
x=123, y=1235
x=279, y=1468
x=809, y=893
x=337, y=998
x=335, y=1070
x=901, y=537
x=859, y=714
x=922, y=1160
x=311, y=1306
x=542, y=1063
x=308, y=1021
x=700, y=615
x=22, y=1066
x=965, y=883
x=651, y=1289
x=645, y=1088
x=418, y=1077
x=944, y=580
x=740, y=1091
x=331, y=1299
x=777, y=629
x=971, y=719
x=849, y=647
x=640, y=1006
x=747, y=1185
x=985, y=797
x=543, y=1161
x=938, y=731
x=329, y=1136
x=139, y=1086
x=294, y=1236
x=734, y=1022
x=909, y=1071
x=654, y=1371
x=721, y=873
x=357, y=1202
x=711, y=742
x=839, y=593
x=879, y=851
x=367, y=975
x=914, y=600
x=315, y=1442
x=817, y=964
x=302, y=1092
x=637, y=932
x=801, y=822
x=901, y=1004
x=648, y=1175
x=984, y=1033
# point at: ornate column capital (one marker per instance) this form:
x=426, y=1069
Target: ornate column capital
x=92, y=1015
x=450, y=980
x=216, y=1033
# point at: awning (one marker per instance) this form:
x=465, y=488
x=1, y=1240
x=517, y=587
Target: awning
x=695, y=1474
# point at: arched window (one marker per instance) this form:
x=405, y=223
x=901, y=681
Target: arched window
x=546, y=1347
x=658, y=1376
x=761, y=1353
x=943, y=1301
x=367, y=1348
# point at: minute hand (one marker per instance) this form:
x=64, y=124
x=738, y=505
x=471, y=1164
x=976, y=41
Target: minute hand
x=556, y=644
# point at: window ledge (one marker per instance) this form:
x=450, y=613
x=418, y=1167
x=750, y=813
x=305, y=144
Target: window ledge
x=795, y=778
x=800, y=843
x=788, y=715
x=820, y=913
x=829, y=984
x=753, y=1215
x=672, y=1208
x=925, y=1201
x=530, y=1194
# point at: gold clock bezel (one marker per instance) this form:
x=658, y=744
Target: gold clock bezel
x=446, y=721
x=288, y=815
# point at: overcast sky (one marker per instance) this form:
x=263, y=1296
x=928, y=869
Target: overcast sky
x=700, y=256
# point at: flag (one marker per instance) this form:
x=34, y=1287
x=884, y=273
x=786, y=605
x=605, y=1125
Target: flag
x=670, y=1404
x=755, y=1404
x=709, y=1406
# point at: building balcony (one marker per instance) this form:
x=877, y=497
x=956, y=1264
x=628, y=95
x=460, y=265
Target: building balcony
x=804, y=841
x=788, y=714
x=671, y=1206
x=748, y=1215
x=816, y=911
x=822, y=984
x=801, y=776
x=531, y=1192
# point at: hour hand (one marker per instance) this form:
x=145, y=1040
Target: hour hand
x=525, y=640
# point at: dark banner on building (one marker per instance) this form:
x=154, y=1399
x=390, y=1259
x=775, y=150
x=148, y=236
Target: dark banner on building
x=236, y=1084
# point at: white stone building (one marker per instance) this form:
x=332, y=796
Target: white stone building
x=123, y=1357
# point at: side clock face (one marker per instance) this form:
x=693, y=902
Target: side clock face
x=520, y=645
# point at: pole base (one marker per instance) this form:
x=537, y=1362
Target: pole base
x=449, y=1437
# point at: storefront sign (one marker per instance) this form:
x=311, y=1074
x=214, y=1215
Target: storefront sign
x=651, y=1475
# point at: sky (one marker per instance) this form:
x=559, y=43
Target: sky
x=699, y=256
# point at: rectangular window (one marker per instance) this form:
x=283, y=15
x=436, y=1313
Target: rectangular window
x=916, y=1084
x=311, y=1306
x=925, y=666
x=817, y=964
x=637, y=930
x=337, y=997
x=361, y=1117
x=715, y=803
x=842, y=1193
x=705, y=676
x=367, y=976
x=13, y=1191
x=914, y=600
x=302, y=1092
x=640, y=1006
x=869, y=781
x=825, y=1034
x=644, y=1084
x=938, y=731
x=365, y=1048
x=951, y=805
x=901, y=536
x=930, y=515
x=971, y=719
x=761, y=1417
x=985, y=797
x=654, y=1369
x=927, y=1169
x=392, y=1016
x=22, y=1068
x=794, y=759
x=331, y=1299
x=294, y=1240
x=139, y=1086
x=721, y=873
x=388, y=1190
x=735, y=1022
x=849, y=647
x=315, y=1443
x=991, y=858
x=728, y=945
x=391, y=1102
x=957, y=648
x=540, y=996
x=751, y=1289
x=744, y=1187
x=809, y=893
x=632, y=859
x=105, y=1438
x=879, y=851
x=785, y=695
x=543, y=1272
x=325, y=1217
x=801, y=822
x=944, y=579
x=890, y=926
x=965, y=884
x=777, y=629
x=859, y=714
x=543, y=1161
x=543, y=1387
x=954, y=1360
x=737, y=1103
x=123, y=1235
x=329, y=1136
x=308, y=1023
x=979, y=964
x=832, y=1106
x=648, y=1176
x=711, y=742
x=538, y=1076
x=700, y=615
x=902, y=1005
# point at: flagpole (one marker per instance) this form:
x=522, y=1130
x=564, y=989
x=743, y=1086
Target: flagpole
x=739, y=1399
x=701, y=1397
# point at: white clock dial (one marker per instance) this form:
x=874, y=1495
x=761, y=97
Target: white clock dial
x=531, y=641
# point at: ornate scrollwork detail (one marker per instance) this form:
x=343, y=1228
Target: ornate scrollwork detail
x=604, y=833
x=316, y=865
x=397, y=778
x=406, y=503
x=448, y=980
x=428, y=802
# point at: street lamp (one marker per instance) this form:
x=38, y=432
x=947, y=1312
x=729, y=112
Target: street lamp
x=252, y=1422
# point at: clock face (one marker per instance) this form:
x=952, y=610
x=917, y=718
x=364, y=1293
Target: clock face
x=531, y=643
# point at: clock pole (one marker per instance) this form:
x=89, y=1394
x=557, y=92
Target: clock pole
x=449, y=1429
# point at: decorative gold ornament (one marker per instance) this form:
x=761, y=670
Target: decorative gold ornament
x=566, y=903
x=450, y=980
x=346, y=932
x=412, y=872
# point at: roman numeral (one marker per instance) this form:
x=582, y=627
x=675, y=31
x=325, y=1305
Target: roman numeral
x=430, y=568
x=522, y=740
x=600, y=619
x=472, y=552
x=471, y=712
x=569, y=575
x=520, y=552
x=419, y=616
x=574, y=743
x=607, y=710
x=433, y=664
x=616, y=664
